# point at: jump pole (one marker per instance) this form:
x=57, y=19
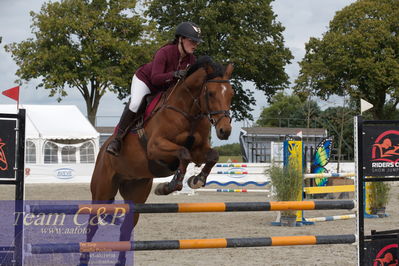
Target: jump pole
x=192, y=207
x=328, y=189
x=190, y=244
x=331, y=218
x=328, y=175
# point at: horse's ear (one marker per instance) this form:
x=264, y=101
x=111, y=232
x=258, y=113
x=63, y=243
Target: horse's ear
x=229, y=71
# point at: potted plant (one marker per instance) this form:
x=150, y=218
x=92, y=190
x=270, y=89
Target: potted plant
x=287, y=186
x=378, y=197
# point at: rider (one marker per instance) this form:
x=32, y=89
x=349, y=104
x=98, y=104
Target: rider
x=167, y=67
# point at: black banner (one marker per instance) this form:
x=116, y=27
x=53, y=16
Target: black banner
x=381, y=150
x=7, y=148
x=382, y=252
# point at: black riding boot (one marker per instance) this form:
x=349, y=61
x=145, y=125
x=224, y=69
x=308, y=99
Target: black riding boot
x=114, y=147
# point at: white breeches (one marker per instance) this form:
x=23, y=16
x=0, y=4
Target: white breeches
x=137, y=91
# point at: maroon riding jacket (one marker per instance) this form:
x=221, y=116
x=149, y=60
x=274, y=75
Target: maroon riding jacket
x=158, y=74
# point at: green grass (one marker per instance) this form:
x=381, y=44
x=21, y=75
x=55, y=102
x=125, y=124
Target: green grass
x=224, y=159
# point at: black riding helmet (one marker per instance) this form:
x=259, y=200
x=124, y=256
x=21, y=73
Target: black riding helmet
x=189, y=30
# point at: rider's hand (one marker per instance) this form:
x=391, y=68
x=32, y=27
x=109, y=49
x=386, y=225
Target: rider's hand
x=180, y=74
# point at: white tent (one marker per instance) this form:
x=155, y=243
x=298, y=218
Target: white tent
x=61, y=144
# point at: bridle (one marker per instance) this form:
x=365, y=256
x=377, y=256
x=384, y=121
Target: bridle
x=196, y=101
x=209, y=114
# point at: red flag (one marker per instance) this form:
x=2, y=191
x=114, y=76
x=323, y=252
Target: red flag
x=13, y=93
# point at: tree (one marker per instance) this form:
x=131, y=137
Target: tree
x=339, y=123
x=93, y=46
x=358, y=55
x=233, y=149
x=289, y=111
x=243, y=32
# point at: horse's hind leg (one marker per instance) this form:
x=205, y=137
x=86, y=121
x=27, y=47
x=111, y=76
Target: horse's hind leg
x=135, y=191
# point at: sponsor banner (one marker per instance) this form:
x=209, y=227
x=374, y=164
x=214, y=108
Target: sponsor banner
x=7, y=148
x=64, y=173
x=66, y=223
x=382, y=252
x=380, y=151
x=58, y=173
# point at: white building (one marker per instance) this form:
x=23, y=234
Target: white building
x=60, y=143
x=265, y=144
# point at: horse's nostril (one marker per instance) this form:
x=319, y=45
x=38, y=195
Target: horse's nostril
x=221, y=131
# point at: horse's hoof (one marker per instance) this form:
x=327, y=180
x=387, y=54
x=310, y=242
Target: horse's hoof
x=194, y=182
x=160, y=190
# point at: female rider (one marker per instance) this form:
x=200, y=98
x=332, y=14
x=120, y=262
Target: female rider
x=167, y=67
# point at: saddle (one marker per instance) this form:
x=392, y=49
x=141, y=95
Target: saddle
x=146, y=110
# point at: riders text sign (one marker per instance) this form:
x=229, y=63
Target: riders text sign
x=381, y=151
x=7, y=148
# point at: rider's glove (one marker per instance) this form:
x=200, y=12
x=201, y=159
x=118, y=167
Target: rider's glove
x=180, y=74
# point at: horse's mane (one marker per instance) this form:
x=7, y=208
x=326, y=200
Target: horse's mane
x=203, y=62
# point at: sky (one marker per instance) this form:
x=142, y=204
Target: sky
x=302, y=19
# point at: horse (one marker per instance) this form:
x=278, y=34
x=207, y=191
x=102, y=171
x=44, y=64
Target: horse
x=176, y=134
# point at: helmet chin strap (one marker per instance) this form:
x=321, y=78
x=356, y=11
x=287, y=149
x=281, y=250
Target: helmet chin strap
x=182, y=46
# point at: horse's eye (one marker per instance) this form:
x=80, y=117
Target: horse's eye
x=210, y=94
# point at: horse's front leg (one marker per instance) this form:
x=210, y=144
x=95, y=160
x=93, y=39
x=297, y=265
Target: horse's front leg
x=197, y=181
x=163, y=148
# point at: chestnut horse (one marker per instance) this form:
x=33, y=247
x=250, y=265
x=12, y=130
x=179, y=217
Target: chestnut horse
x=176, y=134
